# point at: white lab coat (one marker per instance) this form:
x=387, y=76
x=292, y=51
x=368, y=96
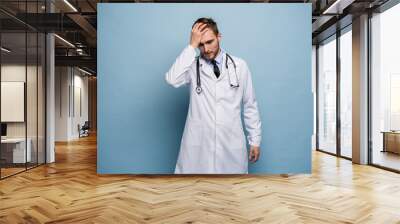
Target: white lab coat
x=213, y=140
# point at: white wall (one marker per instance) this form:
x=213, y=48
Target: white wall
x=79, y=117
x=15, y=72
x=9, y=73
x=33, y=127
x=62, y=81
x=70, y=84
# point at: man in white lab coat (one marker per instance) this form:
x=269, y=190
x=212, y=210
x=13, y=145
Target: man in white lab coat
x=213, y=140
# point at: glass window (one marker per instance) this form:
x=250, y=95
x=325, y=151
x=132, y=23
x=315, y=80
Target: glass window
x=31, y=101
x=385, y=90
x=346, y=92
x=327, y=95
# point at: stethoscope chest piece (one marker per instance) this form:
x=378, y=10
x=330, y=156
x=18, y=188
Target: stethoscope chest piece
x=198, y=89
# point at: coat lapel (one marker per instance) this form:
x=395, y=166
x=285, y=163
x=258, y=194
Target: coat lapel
x=223, y=69
x=206, y=69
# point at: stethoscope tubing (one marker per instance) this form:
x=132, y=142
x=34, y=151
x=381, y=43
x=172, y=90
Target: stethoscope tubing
x=198, y=81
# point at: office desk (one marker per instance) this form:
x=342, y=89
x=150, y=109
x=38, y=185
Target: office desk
x=13, y=150
x=391, y=141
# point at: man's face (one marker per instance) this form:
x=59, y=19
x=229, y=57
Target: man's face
x=209, y=44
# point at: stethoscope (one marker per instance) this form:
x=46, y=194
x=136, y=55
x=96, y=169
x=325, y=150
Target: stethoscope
x=233, y=85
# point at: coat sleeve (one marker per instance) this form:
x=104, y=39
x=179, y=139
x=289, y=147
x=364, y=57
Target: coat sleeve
x=179, y=73
x=251, y=114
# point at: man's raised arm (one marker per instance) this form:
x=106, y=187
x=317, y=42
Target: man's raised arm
x=178, y=74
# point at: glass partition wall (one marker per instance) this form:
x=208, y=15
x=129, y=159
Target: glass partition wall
x=22, y=88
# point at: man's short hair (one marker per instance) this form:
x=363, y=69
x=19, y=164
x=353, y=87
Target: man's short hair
x=210, y=24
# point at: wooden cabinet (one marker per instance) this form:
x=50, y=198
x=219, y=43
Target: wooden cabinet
x=391, y=142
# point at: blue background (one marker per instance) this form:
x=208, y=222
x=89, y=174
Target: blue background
x=141, y=118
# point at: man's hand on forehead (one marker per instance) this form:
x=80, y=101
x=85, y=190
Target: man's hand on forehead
x=197, y=32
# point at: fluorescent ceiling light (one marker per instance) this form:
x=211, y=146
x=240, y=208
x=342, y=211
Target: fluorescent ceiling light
x=338, y=6
x=331, y=7
x=84, y=71
x=65, y=41
x=5, y=49
x=70, y=5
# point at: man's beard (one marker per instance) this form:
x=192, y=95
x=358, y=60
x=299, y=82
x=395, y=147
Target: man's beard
x=214, y=55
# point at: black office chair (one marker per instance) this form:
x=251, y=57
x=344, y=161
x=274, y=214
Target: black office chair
x=84, y=130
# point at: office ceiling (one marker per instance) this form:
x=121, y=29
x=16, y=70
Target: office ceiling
x=76, y=22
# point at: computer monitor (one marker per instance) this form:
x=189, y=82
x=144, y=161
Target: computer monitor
x=3, y=129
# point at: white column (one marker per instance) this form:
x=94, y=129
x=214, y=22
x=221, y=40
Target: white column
x=50, y=92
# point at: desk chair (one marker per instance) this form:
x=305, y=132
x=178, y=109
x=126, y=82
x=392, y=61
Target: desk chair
x=84, y=130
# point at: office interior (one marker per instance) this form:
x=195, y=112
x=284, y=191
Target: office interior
x=49, y=81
